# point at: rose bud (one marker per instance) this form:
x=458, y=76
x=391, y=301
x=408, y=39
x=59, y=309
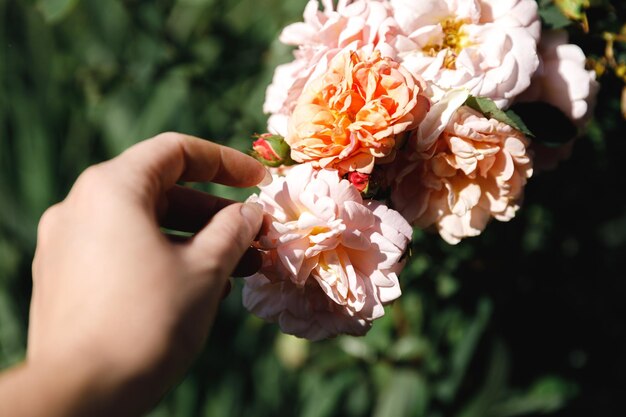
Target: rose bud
x=359, y=180
x=271, y=150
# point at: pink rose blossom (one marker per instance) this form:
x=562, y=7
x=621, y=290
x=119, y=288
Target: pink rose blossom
x=486, y=46
x=330, y=259
x=562, y=79
x=280, y=171
x=474, y=169
x=322, y=35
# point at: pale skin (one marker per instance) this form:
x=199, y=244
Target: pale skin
x=119, y=310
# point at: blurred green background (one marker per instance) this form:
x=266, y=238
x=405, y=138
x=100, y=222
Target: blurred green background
x=527, y=319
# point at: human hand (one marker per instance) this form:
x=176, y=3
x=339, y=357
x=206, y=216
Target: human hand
x=118, y=310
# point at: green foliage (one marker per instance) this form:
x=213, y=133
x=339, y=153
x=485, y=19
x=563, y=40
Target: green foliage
x=573, y=9
x=526, y=319
x=553, y=17
x=55, y=10
x=491, y=110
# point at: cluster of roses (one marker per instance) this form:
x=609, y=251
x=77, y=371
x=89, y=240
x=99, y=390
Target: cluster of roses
x=400, y=103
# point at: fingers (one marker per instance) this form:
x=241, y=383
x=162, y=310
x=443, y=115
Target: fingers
x=250, y=262
x=219, y=246
x=157, y=164
x=189, y=210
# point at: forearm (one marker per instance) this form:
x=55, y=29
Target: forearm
x=26, y=391
x=71, y=390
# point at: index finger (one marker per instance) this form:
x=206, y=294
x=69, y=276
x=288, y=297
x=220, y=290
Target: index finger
x=161, y=161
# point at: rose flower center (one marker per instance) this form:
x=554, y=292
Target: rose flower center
x=318, y=230
x=454, y=41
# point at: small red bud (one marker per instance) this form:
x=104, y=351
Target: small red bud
x=359, y=180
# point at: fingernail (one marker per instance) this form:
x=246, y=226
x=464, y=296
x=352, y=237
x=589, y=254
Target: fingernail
x=253, y=213
x=267, y=179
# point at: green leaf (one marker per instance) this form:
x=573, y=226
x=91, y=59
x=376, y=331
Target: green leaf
x=322, y=395
x=409, y=348
x=553, y=18
x=123, y=122
x=547, y=395
x=357, y=347
x=491, y=110
x=185, y=398
x=358, y=401
x=406, y=395
x=494, y=386
x=55, y=10
x=34, y=157
x=224, y=397
x=267, y=372
x=379, y=338
x=574, y=9
x=447, y=285
x=464, y=351
x=11, y=332
x=292, y=351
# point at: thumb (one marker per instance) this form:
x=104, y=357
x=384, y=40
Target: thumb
x=219, y=246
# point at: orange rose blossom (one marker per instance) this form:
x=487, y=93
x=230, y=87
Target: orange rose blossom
x=349, y=118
